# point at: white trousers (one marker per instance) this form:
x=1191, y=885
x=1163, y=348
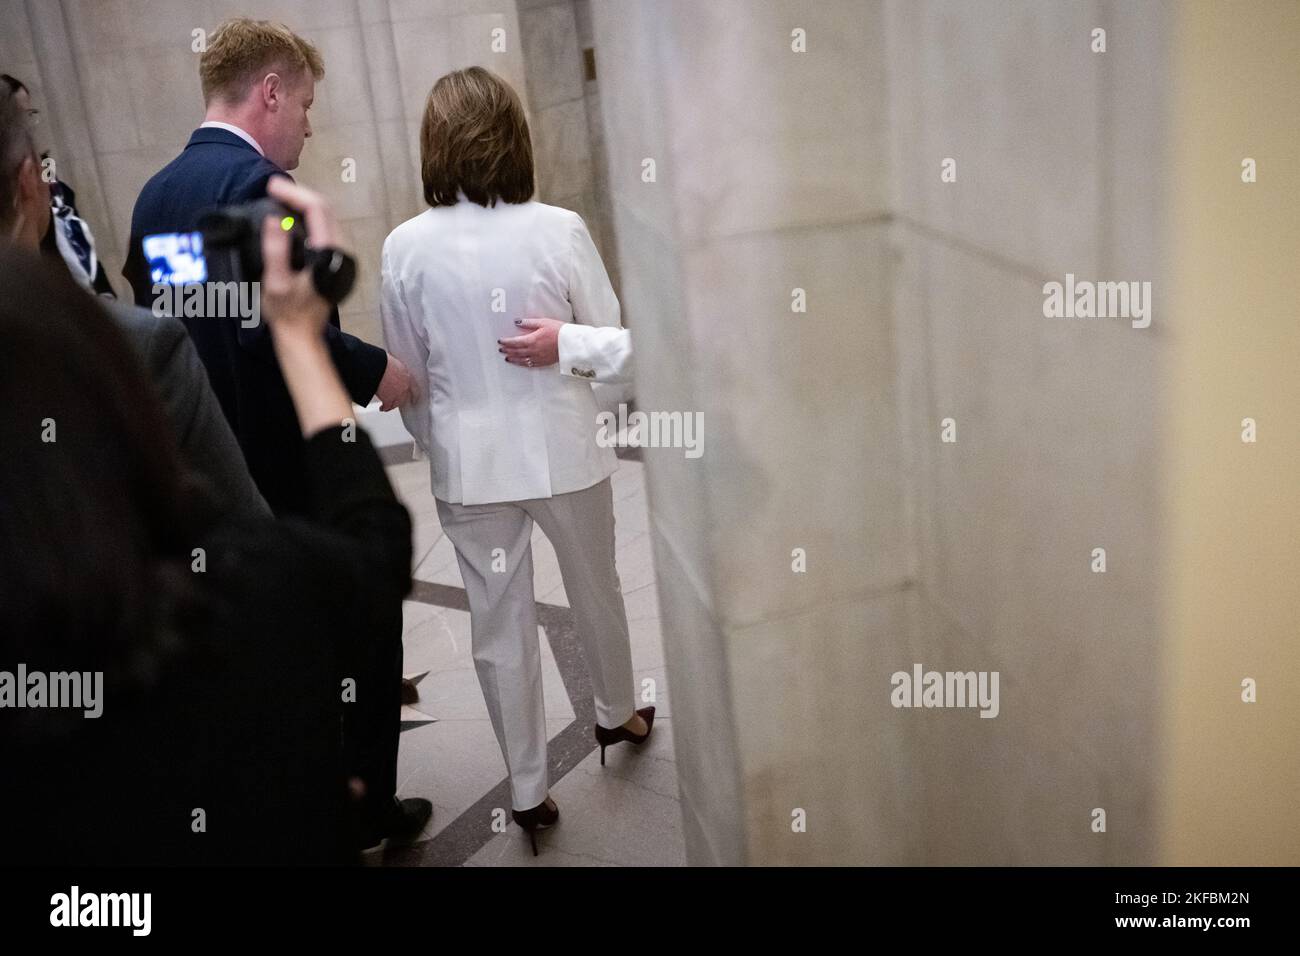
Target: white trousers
x=493, y=547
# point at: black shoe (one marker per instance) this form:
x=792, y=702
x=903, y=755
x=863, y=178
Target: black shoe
x=410, y=693
x=538, y=818
x=607, y=737
x=400, y=822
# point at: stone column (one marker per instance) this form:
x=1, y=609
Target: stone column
x=750, y=189
x=945, y=459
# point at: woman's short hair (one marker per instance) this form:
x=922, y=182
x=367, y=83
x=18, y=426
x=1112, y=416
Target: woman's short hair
x=474, y=139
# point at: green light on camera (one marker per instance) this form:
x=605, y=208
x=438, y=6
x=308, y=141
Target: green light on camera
x=286, y=223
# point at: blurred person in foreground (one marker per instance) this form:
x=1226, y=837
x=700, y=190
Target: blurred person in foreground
x=207, y=446
x=196, y=755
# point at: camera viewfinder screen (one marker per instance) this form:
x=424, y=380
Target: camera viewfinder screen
x=176, y=258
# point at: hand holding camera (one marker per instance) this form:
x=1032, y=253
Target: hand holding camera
x=297, y=312
x=293, y=272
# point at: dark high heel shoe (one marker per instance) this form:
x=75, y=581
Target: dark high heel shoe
x=538, y=818
x=607, y=738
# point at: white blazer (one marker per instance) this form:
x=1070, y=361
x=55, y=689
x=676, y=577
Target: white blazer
x=454, y=280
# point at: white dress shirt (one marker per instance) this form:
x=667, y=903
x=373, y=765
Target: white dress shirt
x=454, y=279
x=215, y=124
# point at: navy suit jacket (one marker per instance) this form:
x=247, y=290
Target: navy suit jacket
x=218, y=168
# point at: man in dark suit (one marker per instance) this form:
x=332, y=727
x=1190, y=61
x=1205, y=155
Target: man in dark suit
x=258, y=81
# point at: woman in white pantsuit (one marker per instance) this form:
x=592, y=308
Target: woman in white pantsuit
x=507, y=445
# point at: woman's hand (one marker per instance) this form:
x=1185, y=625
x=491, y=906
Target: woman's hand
x=539, y=348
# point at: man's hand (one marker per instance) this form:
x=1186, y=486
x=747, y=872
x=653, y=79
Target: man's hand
x=538, y=348
x=397, y=387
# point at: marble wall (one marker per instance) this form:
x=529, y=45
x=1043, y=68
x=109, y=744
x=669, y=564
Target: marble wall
x=1060, y=154
x=780, y=170
x=769, y=176
x=117, y=83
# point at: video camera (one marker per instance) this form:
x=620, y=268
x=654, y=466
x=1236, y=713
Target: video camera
x=227, y=247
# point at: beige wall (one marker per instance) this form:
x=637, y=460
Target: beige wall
x=1232, y=769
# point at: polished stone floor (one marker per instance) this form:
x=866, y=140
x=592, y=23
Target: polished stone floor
x=623, y=814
